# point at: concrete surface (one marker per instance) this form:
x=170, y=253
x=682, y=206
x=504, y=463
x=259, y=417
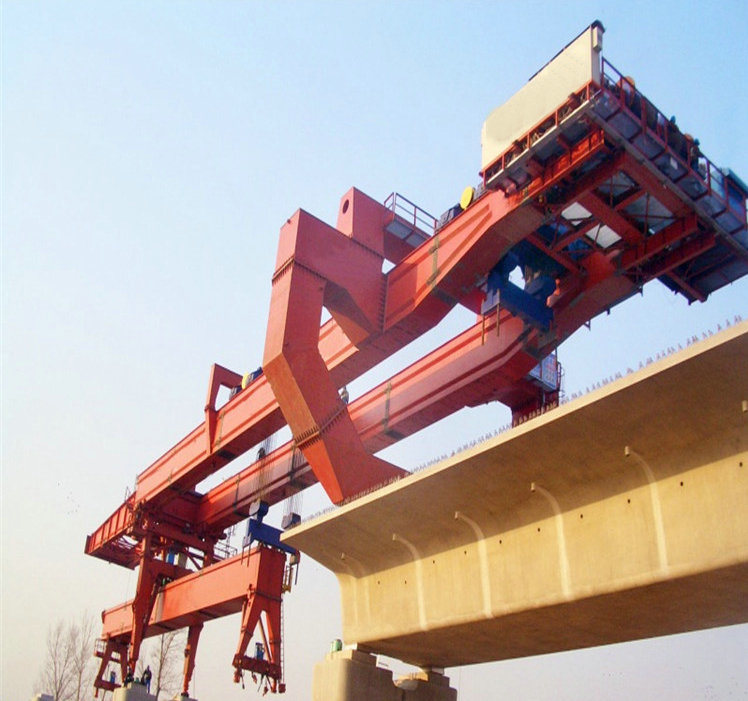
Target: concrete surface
x=352, y=675
x=618, y=516
x=132, y=692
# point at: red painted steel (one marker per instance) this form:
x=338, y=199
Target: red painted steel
x=249, y=583
x=173, y=533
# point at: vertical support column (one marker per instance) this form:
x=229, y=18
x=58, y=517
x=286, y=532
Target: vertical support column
x=107, y=655
x=142, y=605
x=265, y=598
x=351, y=675
x=190, y=651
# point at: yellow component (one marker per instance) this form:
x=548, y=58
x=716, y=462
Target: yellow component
x=467, y=197
x=245, y=380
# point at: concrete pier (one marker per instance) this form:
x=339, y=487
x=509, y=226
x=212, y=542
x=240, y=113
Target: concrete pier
x=352, y=675
x=137, y=692
x=132, y=692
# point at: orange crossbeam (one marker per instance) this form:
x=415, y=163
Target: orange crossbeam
x=462, y=372
x=218, y=590
x=190, y=460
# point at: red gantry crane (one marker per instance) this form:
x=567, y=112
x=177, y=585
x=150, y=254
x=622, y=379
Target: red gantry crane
x=599, y=196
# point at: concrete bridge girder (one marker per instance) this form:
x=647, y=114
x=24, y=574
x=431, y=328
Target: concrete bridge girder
x=621, y=515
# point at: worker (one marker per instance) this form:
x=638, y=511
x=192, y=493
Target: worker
x=627, y=86
x=112, y=677
x=147, y=679
x=692, y=151
x=250, y=377
x=344, y=395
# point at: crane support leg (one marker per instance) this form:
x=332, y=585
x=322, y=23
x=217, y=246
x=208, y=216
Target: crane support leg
x=263, y=597
x=142, y=604
x=349, y=282
x=190, y=650
x=109, y=651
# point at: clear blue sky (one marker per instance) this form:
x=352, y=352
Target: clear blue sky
x=150, y=153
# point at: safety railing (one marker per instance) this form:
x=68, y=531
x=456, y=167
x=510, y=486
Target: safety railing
x=678, y=154
x=410, y=212
x=707, y=181
x=223, y=550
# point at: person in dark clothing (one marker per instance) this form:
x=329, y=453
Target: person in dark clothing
x=147, y=679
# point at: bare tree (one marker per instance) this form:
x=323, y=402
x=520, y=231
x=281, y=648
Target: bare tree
x=165, y=659
x=68, y=667
x=56, y=676
x=81, y=644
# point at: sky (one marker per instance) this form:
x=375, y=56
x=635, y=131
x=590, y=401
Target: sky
x=150, y=153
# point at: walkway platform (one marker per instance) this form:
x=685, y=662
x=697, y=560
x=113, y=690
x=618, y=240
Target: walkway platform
x=619, y=516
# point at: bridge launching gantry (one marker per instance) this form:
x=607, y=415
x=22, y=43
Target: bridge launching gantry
x=585, y=186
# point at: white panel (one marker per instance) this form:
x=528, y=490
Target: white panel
x=575, y=211
x=570, y=70
x=603, y=236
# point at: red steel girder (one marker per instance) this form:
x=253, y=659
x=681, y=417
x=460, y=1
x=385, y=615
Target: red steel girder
x=331, y=337
x=652, y=245
x=254, y=414
x=251, y=582
x=186, y=463
x=682, y=254
x=655, y=183
x=612, y=218
x=417, y=294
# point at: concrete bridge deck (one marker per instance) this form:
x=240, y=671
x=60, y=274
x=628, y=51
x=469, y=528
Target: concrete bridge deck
x=636, y=525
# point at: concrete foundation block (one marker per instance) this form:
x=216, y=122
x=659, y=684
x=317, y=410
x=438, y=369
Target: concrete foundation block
x=132, y=692
x=426, y=686
x=352, y=675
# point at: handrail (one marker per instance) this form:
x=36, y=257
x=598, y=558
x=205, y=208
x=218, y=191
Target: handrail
x=653, y=122
x=656, y=125
x=410, y=212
